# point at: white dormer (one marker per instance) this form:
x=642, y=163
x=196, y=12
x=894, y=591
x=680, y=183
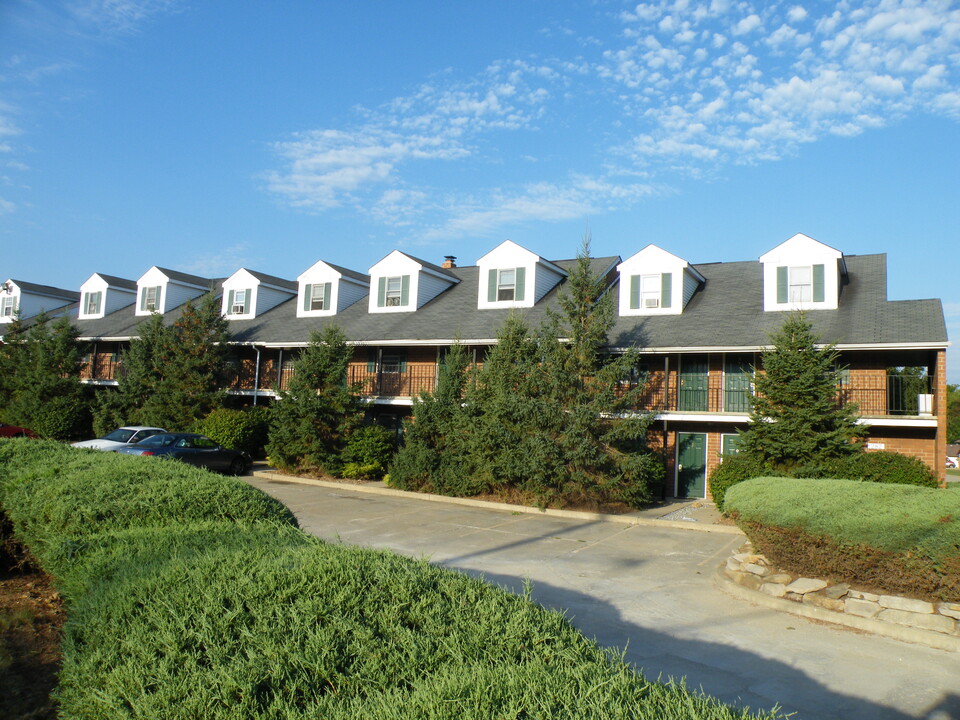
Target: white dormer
x=247, y=294
x=326, y=289
x=102, y=294
x=656, y=282
x=402, y=283
x=29, y=299
x=802, y=274
x=513, y=277
x=161, y=290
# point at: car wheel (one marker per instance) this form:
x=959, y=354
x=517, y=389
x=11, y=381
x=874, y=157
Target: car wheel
x=238, y=466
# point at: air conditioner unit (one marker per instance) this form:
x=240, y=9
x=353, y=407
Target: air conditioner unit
x=237, y=310
x=651, y=302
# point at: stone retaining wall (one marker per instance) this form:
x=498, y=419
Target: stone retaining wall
x=753, y=571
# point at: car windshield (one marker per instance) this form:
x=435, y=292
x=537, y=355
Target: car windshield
x=119, y=435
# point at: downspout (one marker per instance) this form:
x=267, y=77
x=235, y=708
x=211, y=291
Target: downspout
x=280, y=369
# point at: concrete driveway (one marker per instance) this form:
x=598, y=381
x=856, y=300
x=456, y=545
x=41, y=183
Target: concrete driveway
x=651, y=592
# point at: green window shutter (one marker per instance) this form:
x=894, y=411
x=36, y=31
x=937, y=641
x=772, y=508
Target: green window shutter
x=782, y=284
x=666, y=289
x=634, y=292
x=382, y=293
x=402, y=354
x=520, y=281
x=405, y=290
x=372, y=359
x=230, y=302
x=818, y=283
x=307, y=294
x=327, y=287
x=492, y=286
x=143, y=298
x=247, y=300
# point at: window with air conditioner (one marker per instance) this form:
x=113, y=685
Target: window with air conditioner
x=238, y=302
x=150, y=298
x=650, y=287
x=394, y=290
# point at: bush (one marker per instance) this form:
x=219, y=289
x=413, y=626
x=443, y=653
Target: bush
x=368, y=451
x=215, y=607
x=237, y=429
x=894, y=538
x=883, y=466
x=735, y=469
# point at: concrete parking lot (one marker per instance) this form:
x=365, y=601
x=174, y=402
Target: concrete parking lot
x=651, y=592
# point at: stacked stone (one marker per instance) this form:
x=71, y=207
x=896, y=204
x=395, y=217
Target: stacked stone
x=753, y=571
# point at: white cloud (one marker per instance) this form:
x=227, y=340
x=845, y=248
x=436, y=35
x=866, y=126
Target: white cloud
x=747, y=25
x=796, y=14
x=6, y=206
x=121, y=17
x=223, y=263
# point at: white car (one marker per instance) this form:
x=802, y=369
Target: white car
x=121, y=437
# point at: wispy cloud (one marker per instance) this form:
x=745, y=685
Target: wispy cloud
x=119, y=17
x=684, y=87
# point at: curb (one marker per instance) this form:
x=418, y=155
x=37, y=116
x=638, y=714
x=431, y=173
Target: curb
x=506, y=507
x=902, y=633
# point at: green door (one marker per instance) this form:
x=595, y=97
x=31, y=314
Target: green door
x=693, y=385
x=691, y=465
x=737, y=388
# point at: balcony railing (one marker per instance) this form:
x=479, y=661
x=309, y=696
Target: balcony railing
x=408, y=383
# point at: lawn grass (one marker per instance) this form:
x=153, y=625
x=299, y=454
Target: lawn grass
x=208, y=609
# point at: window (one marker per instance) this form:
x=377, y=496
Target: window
x=394, y=291
x=318, y=297
x=150, y=298
x=238, y=302
x=390, y=363
x=800, y=284
x=8, y=306
x=506, y=285
x=91, y=304
x=649, y=292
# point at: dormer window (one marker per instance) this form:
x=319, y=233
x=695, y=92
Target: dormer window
x=506, y=285
x=8, y=306
x=317, y=297
x=650, y=292
x=150, y=298
x=91, y=303
x=394, y=291
x=800, y=283
x=238, y=302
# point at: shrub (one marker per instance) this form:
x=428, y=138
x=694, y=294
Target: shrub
x=368, y=452
x=214, y=607
x=735, y=469
x=896, y=538
x=237, y=429
x=883, y=466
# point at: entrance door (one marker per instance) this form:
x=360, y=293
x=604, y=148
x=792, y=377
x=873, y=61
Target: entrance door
x=691, y=465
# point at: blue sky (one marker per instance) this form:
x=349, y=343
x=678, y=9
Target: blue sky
x=206, y=136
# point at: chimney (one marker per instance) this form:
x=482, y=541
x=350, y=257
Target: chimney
x=449, y=261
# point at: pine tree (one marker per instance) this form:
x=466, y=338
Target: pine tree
x=312, y=419
x=41, y=368
x=796, y=418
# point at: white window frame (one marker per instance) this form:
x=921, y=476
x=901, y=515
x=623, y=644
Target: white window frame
x=146, y=303
x=507, y=283
x=8, y=306
x=393, y=296
x=800, y=283
x=91, y=302
x=318, y=302
x=651, y=287
x=244, y=299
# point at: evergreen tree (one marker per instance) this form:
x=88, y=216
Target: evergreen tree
x=41, y=386
x=312, y=419
x=796, y=418
x=172, y=375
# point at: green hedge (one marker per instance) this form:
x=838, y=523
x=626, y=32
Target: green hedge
x=896, y=538
x=237, y=429
x=221, y=608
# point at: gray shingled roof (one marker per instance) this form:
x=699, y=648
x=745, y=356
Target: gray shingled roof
x=726, y=312
x=352, y=274
x=274, y=280
x=185, y=277
x=118, y=282
x=47, y=290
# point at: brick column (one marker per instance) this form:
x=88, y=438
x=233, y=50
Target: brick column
x=940, y=407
